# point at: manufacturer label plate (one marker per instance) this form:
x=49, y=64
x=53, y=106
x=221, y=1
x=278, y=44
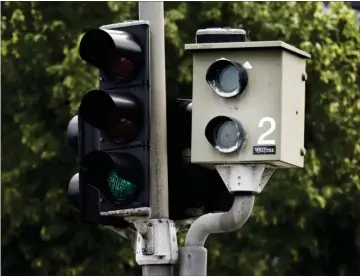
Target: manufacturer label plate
x=259, y=150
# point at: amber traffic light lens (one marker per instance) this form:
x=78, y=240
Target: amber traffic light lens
x=118, y=115
x=122, y=130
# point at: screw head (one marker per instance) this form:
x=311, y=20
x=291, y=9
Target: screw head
x=304, y=77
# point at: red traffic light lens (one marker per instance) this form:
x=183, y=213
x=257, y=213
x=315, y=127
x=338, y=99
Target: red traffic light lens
x=122, y=68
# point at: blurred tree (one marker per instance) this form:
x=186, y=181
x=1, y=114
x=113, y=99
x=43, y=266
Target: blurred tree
x=43, y=80
x=304, y=223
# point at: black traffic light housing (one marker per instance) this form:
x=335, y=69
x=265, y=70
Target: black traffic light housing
x=193, y=189
x=111, y=135
x=113, y=123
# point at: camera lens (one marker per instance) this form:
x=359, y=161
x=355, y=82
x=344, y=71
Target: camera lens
x=228, y=80
x=225, y=134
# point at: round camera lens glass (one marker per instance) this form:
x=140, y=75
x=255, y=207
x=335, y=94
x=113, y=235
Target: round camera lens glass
x=228, y=79
x=227, y=135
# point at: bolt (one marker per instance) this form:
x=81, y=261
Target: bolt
x=161, y=257
x=297, y=112
x=304, y=77
x=302, y=152
x=150, y=224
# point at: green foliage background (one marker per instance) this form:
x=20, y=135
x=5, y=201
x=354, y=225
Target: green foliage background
x=306, y=222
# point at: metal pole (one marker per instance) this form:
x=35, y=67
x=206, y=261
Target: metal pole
x=159, y=202
x=154, y=13
x=193, y=256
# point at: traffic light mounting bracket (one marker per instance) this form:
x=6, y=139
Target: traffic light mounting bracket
x=155, y=241
x=245, y=178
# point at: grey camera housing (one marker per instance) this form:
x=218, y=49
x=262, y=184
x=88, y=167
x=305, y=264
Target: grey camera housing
x=271, y=108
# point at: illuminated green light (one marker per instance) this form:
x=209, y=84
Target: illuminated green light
x=119, y=187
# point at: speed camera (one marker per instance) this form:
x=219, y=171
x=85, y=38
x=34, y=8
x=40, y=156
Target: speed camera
x=248, y=103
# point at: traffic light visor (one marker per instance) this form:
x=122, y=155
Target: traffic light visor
x=228, y=79
x=74, y=191
x=116, y=53
x=225, y=134
x=73, y=133
x=119, y=117
x=117, y=176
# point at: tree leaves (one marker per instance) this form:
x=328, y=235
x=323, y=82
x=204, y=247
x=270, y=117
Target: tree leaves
x=301, y=223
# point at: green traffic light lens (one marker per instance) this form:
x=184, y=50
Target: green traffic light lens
x=118, y=176
x=120, y=189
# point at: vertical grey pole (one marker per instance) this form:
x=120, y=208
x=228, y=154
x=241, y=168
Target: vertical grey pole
x=159, y=202
x=154, y=13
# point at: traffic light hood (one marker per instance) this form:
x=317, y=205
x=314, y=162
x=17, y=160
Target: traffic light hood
x=73, y=133
x=74, y=191
x=116, y=53
x=119, y=116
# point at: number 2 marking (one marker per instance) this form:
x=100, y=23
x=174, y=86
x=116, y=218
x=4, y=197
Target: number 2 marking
x=262, y=140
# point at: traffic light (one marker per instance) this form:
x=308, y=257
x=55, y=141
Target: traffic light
x=113, y=123
x=248, y=101
x=194, y=190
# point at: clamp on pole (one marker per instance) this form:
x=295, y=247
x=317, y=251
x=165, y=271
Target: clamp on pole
x=244, y=181
x=156, y=241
